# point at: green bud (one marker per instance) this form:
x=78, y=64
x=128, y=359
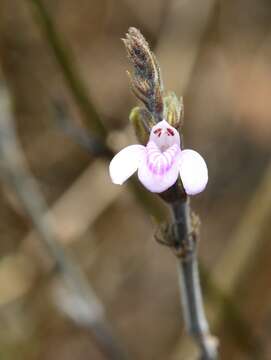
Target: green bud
x=173, y=110
x=142, y=121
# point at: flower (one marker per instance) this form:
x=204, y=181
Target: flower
x=160, y=163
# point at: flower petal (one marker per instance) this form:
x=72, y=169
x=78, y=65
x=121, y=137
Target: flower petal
x=164, y=135
x=160, y=182
x=193, y=172
x=125, y=163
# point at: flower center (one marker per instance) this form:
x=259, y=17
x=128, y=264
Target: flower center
x=160, y=160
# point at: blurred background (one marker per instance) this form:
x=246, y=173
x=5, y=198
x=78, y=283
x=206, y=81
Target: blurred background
x=65, y=69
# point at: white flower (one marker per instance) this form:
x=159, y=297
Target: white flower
x=160, y=162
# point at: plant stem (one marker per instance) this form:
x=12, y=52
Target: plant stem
x=185, y=243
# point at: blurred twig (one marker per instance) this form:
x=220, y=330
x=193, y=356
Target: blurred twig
x=83, y=307
x=101, y=149
x=71, y=216
x=95, y=146
x=64, y=57
x=180, y=40
x=245, y=239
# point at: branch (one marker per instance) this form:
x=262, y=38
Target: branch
x=84, y=306
x=185, y=242
x=64, y=58
x=101, y=149
x=94, y=146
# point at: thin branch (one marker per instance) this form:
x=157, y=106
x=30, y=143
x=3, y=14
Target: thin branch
x=183, y=30
x=101, y=149
x=64, y=58
x=69, y=225
x=185, y=244
x=96, y=147
x=86, y=308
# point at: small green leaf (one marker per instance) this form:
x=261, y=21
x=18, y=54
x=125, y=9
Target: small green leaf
x=142, y=121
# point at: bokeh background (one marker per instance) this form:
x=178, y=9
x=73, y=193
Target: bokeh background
x=217, y=55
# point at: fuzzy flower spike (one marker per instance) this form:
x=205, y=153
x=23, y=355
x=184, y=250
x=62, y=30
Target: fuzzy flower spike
x=160, y=163
x=157, y=125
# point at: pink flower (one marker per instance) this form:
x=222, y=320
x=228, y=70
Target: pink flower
x=160, y=162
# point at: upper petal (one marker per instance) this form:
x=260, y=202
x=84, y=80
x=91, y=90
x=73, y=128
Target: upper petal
x=193, y=172
x=164, y=135
x=125, y=163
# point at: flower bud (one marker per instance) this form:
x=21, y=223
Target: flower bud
x=142, y=121
x=173, y=110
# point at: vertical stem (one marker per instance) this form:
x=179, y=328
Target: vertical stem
x=191, y=296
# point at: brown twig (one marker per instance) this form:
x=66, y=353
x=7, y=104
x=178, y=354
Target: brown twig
x=84, y=306
x=65, y=60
